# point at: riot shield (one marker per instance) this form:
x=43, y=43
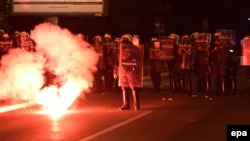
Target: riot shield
x=202, y=45
x=167, y=48
x=154, y=52
x=130, y=69
x=5, y=46
x=245, y=59
x=203, y=42
x=185, y=53
x=227, y=34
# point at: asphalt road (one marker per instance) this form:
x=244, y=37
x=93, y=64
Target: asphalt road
x=163, y=116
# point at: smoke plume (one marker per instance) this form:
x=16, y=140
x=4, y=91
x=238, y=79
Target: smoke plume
x=59, y=52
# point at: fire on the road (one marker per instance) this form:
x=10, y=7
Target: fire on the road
x=58, y=51
x=56, y=101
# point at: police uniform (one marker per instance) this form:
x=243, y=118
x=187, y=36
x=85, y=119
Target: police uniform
x=156, y=64
x=5, y=44
x=16, y=42
x=116, y=63
x=233, y=67
x=202, y=66
x=171, y=61
x=25, y=42
x=130, y=72
x=98, y=46
x=220, y=59
x=214, y=62
x=109, y=59
x=185, y=64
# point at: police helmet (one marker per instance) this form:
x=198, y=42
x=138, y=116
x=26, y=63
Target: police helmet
x=203, y=36
x=217, y=34
x=126, y=38
x=24, y=33
x=135, y=36
x=5, y=36
x=80, y=35
x=98, y=38
x=117, y=39
x=172, y=37
x=1, y=31
x=16, y=33
x=246, y=38
x=194, y=36
x=154, y=39
x=185, y=38
x=107, y=36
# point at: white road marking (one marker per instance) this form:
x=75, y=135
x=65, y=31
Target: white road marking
x=115, y=126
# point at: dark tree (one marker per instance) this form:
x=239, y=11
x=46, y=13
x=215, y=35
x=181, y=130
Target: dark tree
x=5, y=10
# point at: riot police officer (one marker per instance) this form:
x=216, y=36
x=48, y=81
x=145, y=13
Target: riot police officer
x=98, y=46
x=246, y=56
x=171, y=61
x=15, y=39
x=194, y=36
x=202, y=65
x=220, y=56
x=25, y=42
x=214, y=62
x=109, y=61
x=233, y=67
x=185, y=64
x=6, y=43
x=156, y=64
x=116, y=63
x=130, y=72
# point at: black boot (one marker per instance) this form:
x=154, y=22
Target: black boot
x=136, y=99
x=189, y=85
x=198, y=84
x=208, y=86
x=176, y=83
x=182, y=85
x=158, y=82
x=126, y=97
x=172, y=83
x=217, y=83
x=233, y=85
x=223, y=86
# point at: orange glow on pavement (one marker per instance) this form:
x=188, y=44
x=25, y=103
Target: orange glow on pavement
x=56, y=101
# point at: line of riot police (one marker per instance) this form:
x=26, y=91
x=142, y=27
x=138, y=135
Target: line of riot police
x=202, y=57
x=17, y=40
x=107, y=48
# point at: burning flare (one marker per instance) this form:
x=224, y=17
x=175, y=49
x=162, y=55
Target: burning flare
x=68, y=60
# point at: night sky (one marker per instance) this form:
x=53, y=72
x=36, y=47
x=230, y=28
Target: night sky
x=139, y=17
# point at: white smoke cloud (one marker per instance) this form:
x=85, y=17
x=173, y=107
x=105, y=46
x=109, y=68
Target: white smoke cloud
x=65, y=53
x=58, y=51
x=21, y=75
